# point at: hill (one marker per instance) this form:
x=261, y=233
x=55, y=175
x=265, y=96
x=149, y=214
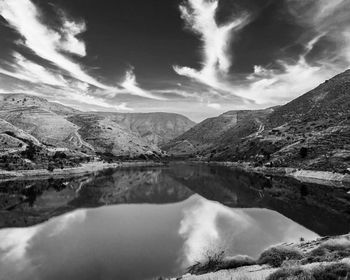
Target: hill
x=227, y=128
x=36, y=133
x=311, y=132
x=156, y=128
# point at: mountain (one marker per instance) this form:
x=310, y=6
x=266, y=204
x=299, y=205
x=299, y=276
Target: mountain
x=227, y=128
x=26, y=203
x=311, y=132
x=156, y=128
x=33, y=130
x=104, y=135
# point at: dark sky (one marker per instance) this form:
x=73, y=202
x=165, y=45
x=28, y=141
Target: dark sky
x=195, y=57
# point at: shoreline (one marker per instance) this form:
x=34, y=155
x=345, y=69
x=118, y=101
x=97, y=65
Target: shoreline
x=84, y=169
x=302, y=175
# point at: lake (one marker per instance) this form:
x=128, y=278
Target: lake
x=142, y=223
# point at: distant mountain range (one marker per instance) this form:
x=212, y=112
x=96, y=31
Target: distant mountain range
x=312, y=131
x=48, y=127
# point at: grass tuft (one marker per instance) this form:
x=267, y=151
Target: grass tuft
x=339, y=271
x=329, y=251
x=292, y=273
x=275, y=256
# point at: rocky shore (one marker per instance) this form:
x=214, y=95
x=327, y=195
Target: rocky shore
x=309, y=176
x=85, y=168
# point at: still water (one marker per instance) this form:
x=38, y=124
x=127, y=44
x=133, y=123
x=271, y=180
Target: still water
x=142, y=223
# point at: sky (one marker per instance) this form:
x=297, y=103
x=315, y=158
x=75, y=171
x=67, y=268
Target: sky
x=199, y=58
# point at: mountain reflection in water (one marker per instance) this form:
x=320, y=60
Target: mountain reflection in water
x=141, y=223
x=139, y=241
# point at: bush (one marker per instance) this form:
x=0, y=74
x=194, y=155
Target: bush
x=332, y=272
x=212, y=264
x=60, y=155
x=294, y=273
x=30, y=152
x=331, y=250
x=303, y=152
x=235, y=262
x=275, y=256
x=218, y=262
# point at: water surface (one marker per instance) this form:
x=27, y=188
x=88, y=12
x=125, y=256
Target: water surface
x=141, y=223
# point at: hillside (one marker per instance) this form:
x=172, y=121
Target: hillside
x=228, y=128
x=36, y=133
x=311, y=132
x=105, y=135
x=156, y=128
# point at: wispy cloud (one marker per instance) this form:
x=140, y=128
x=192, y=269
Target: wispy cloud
x=24, y=69
x=216, y=106
x=200, y=17
x=130, y=84
x=56, y=46
x=200, y=230
x=45, y=42
x=330, y=18
x=269, y=85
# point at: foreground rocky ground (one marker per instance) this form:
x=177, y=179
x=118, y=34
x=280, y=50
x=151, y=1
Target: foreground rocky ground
x=324, y=258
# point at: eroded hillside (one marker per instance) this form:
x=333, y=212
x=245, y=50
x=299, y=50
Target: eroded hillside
x=36, y=133
x=312, y=132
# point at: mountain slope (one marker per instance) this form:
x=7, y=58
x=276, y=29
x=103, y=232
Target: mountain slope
x=229, y=127
x=312, y=132
x=33, y=130
x=156, y=128
x=107, y=136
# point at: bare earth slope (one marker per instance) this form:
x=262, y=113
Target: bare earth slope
x=156, y=128
x=311, y=132
x=33, y=125
x=229, y=127
x=107, y=136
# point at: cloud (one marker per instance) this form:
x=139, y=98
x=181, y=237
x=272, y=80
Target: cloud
x=200, y=230
x=216, y=106
x=26, y=70
x=81, y=99
x=45, y=42
x=69, y=31
x=64, y=222
x=281, y=80
x=330, y=18
x=68, y=80
x=132, y=87
x=13, y=247
x=200, y=17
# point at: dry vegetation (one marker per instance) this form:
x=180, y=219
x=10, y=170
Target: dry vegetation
x=326, y=261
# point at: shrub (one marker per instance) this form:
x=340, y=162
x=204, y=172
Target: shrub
x=336, y=244
x=275, y=256
x=303, y=152
x=332, y=272
x=218, y=262
x=294, y=273
x=59, y=155
x=237, y=261
x=212, y=264
x=29, y=152
x=331, y=250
